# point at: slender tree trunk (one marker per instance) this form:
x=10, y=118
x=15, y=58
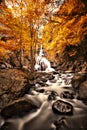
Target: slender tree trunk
x=32, y=48
x=21, y=48
x=21, y=57
x=32, y=58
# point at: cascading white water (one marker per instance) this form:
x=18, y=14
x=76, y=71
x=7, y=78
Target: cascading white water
x=47, y=116
x=42, y=63
x=42, y=118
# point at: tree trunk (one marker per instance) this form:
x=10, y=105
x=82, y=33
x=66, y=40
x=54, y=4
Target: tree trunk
x=32, y=58
x=21, y=57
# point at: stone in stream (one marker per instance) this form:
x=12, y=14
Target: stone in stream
x=52, y=95
x=62, y=107
x=17, y=108
x=31, y=83
x=44, y=79
x=56, y=72
x=67, y=94
x=40, y=90
x=51, y=77
x=50, y=92
x=40, y=80
x=41, y=83
x=53, y=81
x=58, y=124
x=8, y=126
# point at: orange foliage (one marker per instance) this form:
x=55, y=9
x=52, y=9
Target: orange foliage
x=18, y=19
x=67, y=27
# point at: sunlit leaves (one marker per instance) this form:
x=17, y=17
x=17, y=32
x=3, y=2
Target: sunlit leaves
x=21, y=20
x=24, y=19
x=67, y=27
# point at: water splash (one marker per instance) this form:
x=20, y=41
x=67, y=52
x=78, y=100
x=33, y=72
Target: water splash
x=42, y=63
x=41, y=51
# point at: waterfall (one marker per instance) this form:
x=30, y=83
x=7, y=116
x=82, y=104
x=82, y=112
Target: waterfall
x=41, y=51
x=42, y=63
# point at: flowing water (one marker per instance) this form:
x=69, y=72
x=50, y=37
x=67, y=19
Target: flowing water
x=43, y=118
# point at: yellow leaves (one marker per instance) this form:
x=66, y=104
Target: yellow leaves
x=68, y=27
x=3, y=50
x=34, y=9
x=52, y=45
x=9, y=45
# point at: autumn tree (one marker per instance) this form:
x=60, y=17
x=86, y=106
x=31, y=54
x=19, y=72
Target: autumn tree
x=66, y=27
x=22, y=18
x=55, y=24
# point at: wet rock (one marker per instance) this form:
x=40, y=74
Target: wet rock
x=53, y=81
x=40, y=80
x=31, y=83
x=41, y=83
x=67, y=94
x=13, y=84
x=49, y=92
x=62, y=107
x=4, y=65
x=17, y=108
x=40, y=90
x=53, y=64
x=54, y=93
x=1, y=121
x=60, y=123
x=8, y=126
x=56, y=72
x=83, y=90
x=44, y=79
x=51, y=77
x=51, y=97
x=78, y=79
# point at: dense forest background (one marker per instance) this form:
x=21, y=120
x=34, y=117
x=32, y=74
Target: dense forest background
x=60, y=26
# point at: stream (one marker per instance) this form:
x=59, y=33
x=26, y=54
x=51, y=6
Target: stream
x=44, y=118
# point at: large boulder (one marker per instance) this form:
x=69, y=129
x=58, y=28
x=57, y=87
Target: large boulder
x=79, y=83
x=62, y=107
x=83, y=90
x=18, y=108
x=78, y=79
x=13, y=84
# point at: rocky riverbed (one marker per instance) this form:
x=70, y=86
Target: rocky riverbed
x=43, y=101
